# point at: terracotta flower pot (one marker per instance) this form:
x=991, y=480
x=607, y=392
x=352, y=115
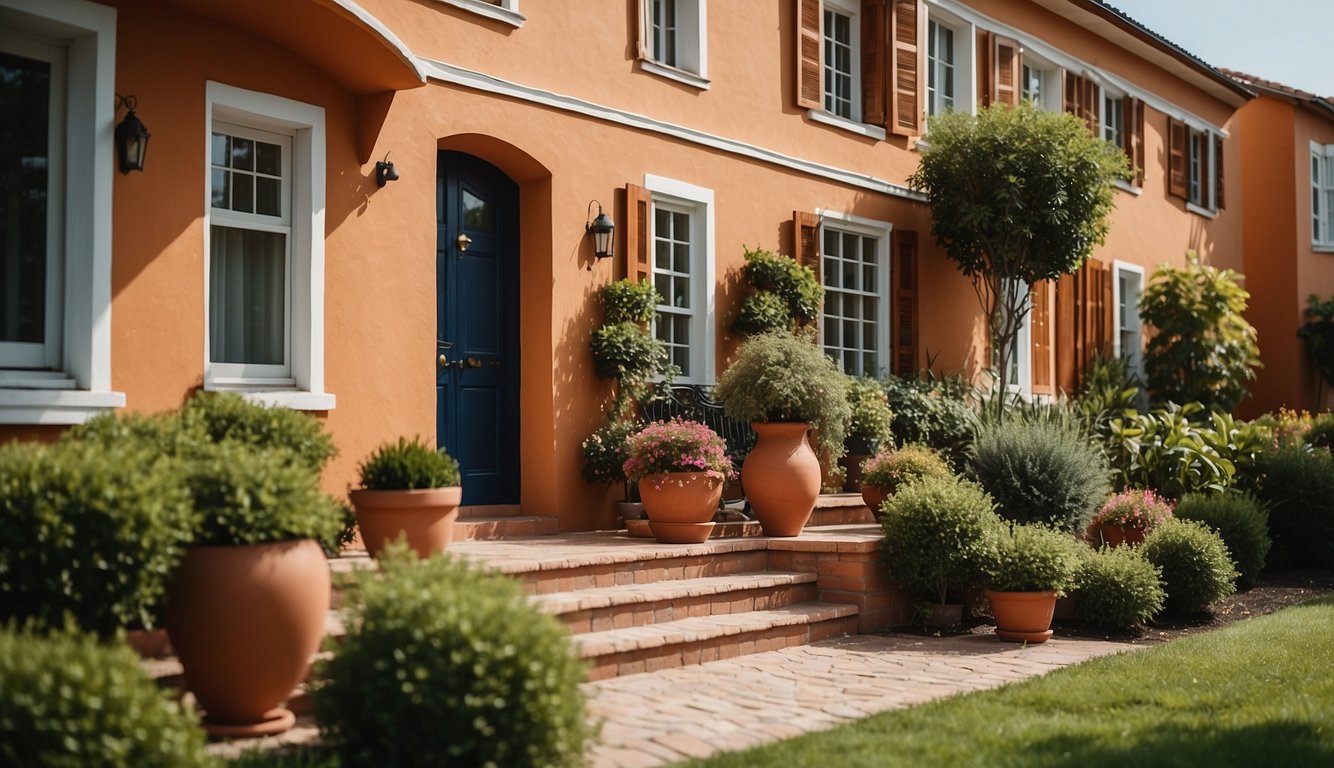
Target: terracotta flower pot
x=873, y=496
x=426, y=516
x=1114, y=535
x=680, y=505
x=1023, y=617
x=781, y=476
x=245, y=622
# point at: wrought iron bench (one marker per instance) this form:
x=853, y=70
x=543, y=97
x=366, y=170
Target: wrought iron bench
x=695, y=402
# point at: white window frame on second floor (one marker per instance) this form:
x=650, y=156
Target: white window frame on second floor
x=674, y=40
x=298, y=382
x=1127, y=287
x=1200, y=163
x=696, y=204
x=852, y=359
x=841, y=58
x=1039, y=81
x=1322, y=197
x=960, y=68
x=500, y=10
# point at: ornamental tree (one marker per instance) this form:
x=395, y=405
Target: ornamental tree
x=1017, y=195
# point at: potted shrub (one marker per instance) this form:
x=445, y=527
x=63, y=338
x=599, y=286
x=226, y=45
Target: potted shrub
x=604, y=462
x=1127, y=517
x=680, y=467
x=408, y=489
x=246, y=608
x=891, y=468
x=1034, y=565
x=940, y=538
x=869, y=424
x=785, y=386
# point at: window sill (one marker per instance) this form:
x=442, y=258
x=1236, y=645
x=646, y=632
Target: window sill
x=1126, y=186
x=1323, y=247
x=55, y=406
x=267, y=394
x=1199, y=211
x=672, y=73
x=513, y=18
x=861, y=129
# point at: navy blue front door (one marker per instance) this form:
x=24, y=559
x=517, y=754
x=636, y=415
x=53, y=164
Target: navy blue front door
x=477, y=355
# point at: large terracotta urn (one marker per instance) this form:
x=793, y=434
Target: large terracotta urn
x=245, y=622
x=680, y=505
x=424, y=516
x=1023, y=617
x=781, y=477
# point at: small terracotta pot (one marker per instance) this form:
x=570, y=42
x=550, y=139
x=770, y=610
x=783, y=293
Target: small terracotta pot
x=1115, y=535
x=638, y=528
x=873, y=496
x=245, y=622
x=1023, y=617
x=426, y=516
x=675, y=501
x=781, y=475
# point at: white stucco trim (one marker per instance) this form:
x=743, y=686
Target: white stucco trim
x=507, y=11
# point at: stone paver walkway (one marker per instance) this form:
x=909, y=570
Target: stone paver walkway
x=658, y=718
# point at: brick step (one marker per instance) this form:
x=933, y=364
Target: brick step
x=504, y=527
x=697, y=640
x=634, y=605
x=490, y=510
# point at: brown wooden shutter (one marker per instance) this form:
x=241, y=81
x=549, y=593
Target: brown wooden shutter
x=986, y=78
x=1066, y=376
x=810, y=91
x=875, y=80
x=637, y=230
x=1218, y=177
x=1132, y=112
x=1072, y=90
x=905, y=90
x=1091, y=94
x=1006, y=64
x=1040, y=331
x=903, y=275
x=1084, y=322
x=1177, y=137
x=806, y=240
x=1098, y=329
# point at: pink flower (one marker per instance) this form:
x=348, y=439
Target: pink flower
x=678, y=445
x=1134, y=508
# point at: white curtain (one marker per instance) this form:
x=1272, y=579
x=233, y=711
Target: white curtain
x=248, y=296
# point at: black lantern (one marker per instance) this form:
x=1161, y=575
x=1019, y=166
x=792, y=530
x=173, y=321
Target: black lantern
x=603, y=229
x=131, y=138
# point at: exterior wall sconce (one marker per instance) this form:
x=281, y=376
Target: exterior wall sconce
x=385, y=172
x=603, y=229
x=131, y=137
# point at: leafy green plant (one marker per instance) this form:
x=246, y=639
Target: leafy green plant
x=871, y=417
x=1110, y=390
x=1240, y=522
x=1318, y=333
x=1117, y=588
x=407, y=465
x=1321, y=432
x=624, y=351
x=1167, y=450
x=1040, y=472
x=932, y=411
x=629, y=301
x=623, y=348
x=1202, y=349
x=1297, y=487
x=1033, y=558
x=940, y=535
x=92, y=533
x=445, y=664
x=1197, y=568
x=782, y=377
x=605, y=452
x=228, y=416
x=785, y=295
x=893, y=468
x=68, y=701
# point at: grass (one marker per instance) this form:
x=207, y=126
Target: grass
x=1257, y=692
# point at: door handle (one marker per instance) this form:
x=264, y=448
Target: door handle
x=471, y=362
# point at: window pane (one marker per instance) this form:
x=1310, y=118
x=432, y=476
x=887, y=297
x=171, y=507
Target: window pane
x=243, y=154
x=247, y=296
x=243, y=192
x=221, y=189
x=478, y=214
x=268, y=199
x=268, y=158
x=24, y=160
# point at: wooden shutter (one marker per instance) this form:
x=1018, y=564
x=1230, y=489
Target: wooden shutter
x=1132, y=112
x=1218, y=176
x=1071, y=90
x=1040, y=331
x=1084, y=322
x=1081, y=99
x=903, y=275
x=905, y=90
x=875, y=80
x=1090, y=96
x=1007, y=70
x=806, y=240
x=986, y=79
x=643, y=29
x=637, y=230
x=1177, y=137
x=810, y=92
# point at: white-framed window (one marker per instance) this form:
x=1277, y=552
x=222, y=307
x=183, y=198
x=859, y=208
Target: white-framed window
x=855, y=271
x=842, y=59
x=57, y=163
x=1040, y=82
x=1019, y=379
x=1196, y=162
x=683, y=273
x=500, y=10
x=1322, y=194
x=942, y=63
x=1127, y=287
x=675, y=34
x=264, y=248
x=1113, y=117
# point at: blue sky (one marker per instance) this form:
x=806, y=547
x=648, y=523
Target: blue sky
x=1289, y=41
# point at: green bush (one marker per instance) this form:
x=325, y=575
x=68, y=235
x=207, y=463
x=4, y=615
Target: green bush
x=629, y=301
x=871, y=417
x=940, y=535
x=762, y=312
x=1033, y=558
x=931, y=411
x=445, y=664
x=1321, y=433
x=1298, y=490
x=1197, y=568
x=408, y=465
x=92, y=533
x=1180, y=449
x=780, y=285
x=893, y=467
x=1117, y=588
x=228, y=416
x=624, y=351
x=1240, y=522
x=67, y=701
x=1040, y=472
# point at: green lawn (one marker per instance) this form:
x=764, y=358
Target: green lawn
x=1260, y=692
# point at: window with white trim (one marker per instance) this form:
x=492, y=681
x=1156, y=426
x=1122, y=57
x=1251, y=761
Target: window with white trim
x=1322, y=194
x=854, y=323
x=1196, y=163
x=675, y=39
x=1040, y=82
x=1019, y=380
x=842, y=59
x=941, y=63
x=1113, y=117
x=500, y=10
x=683, y=274
x=1128, y=288
x=264, y=249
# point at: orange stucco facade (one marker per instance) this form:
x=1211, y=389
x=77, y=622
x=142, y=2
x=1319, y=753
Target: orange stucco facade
x=559, y=101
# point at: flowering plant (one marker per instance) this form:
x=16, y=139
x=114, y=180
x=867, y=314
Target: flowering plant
x=1136, y=508
x=605, y=453
x=676, y=446
x=891, y=467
